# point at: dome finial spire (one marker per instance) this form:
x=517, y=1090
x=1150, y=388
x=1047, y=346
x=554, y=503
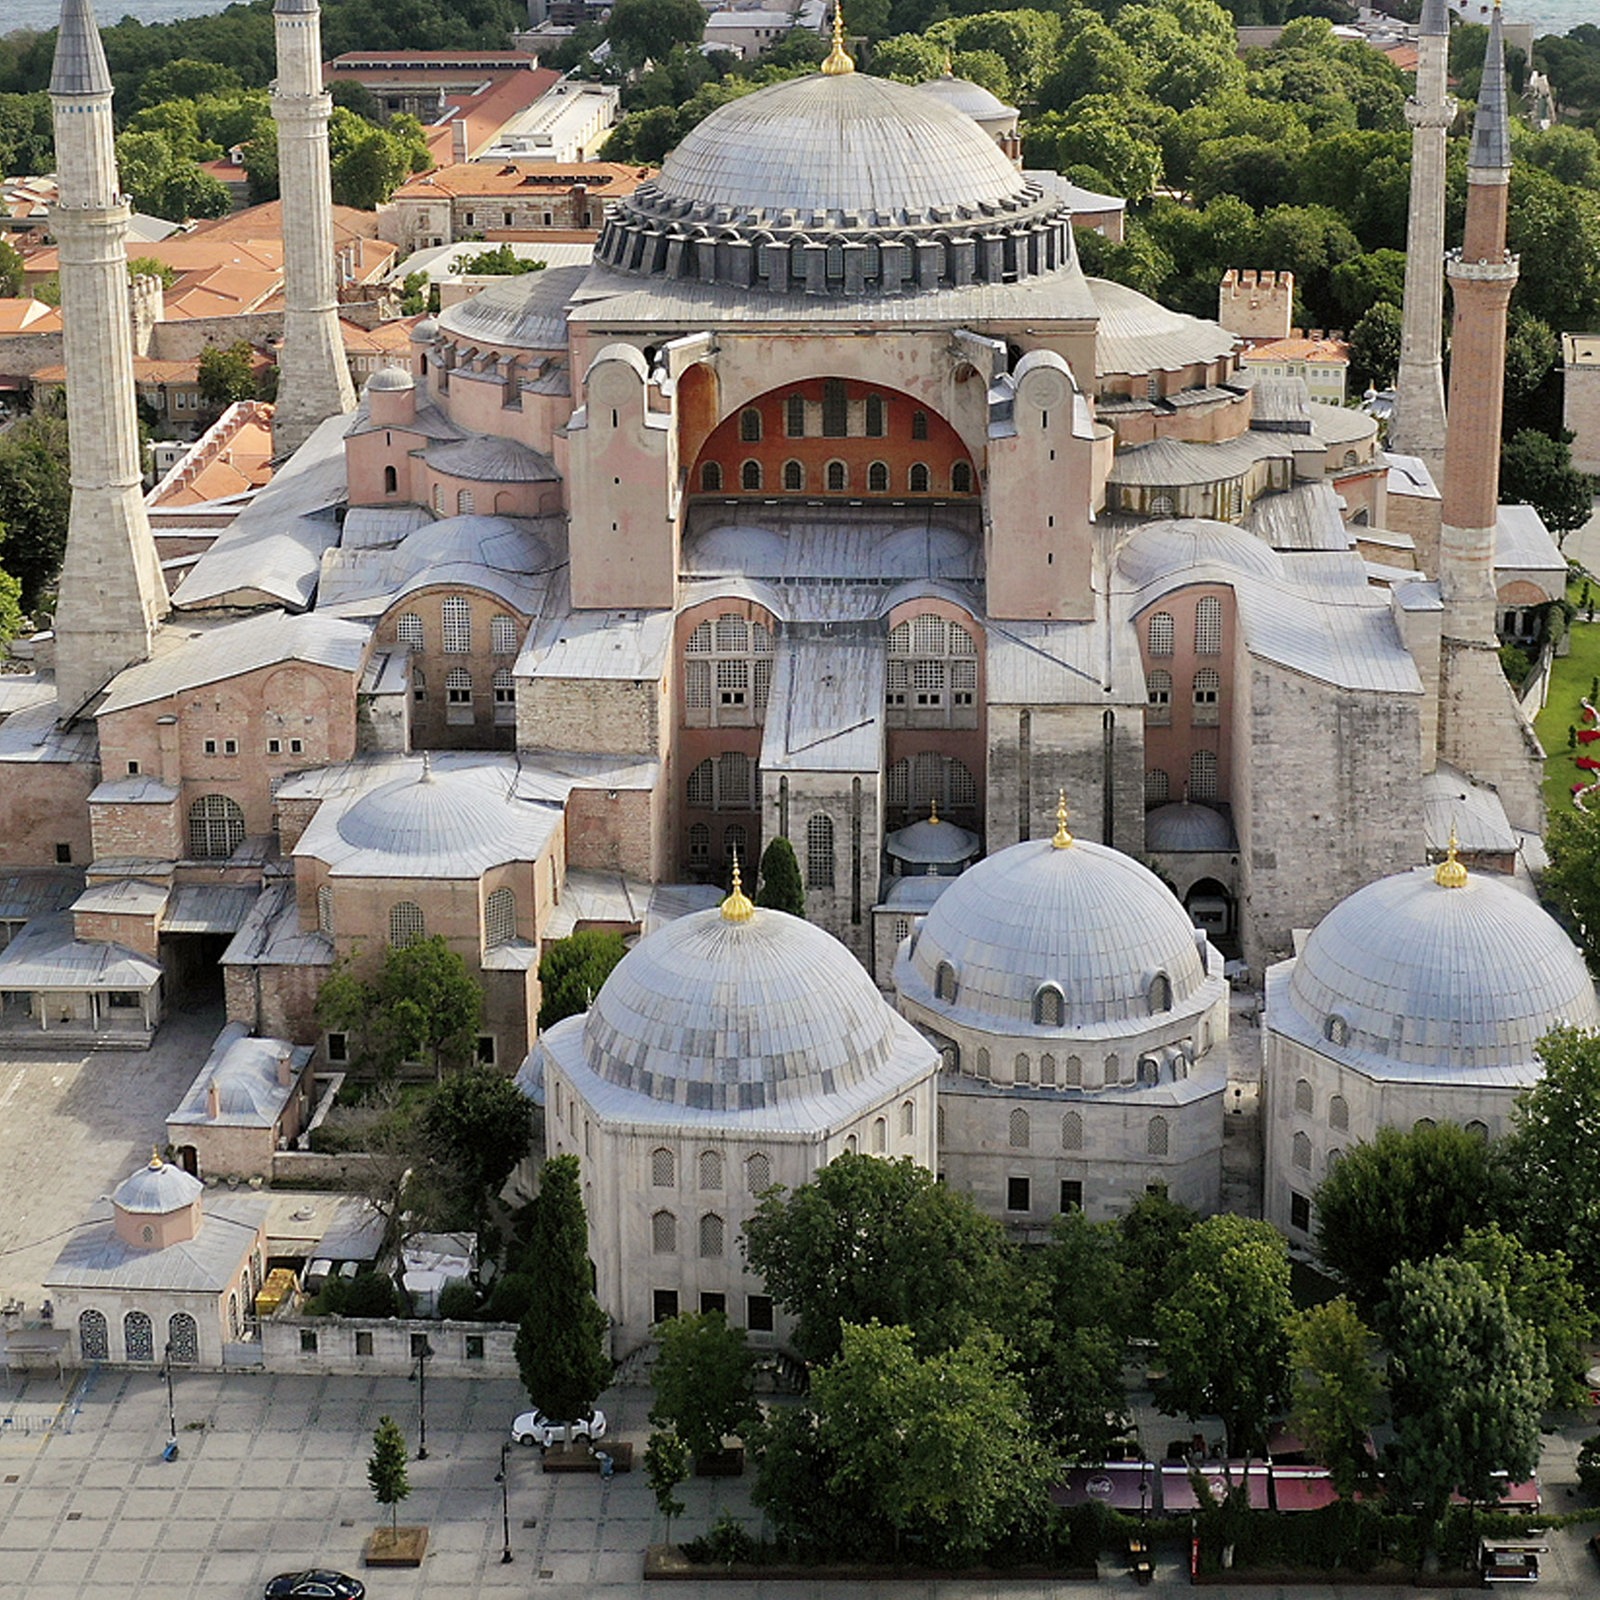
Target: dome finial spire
x=737, y=907
x=156, y=1163
x=838, y=62
x=1450, y=874
x=1063, y=839
x=933, y=809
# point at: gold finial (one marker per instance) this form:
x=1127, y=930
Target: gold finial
x=933, y=811
x=1063, y=839
x=156, y=1163
x=838, y=62
x=737, y=907
x=1450, y=874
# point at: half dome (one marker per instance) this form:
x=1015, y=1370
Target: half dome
x=1446, y=977
x=1183, y=825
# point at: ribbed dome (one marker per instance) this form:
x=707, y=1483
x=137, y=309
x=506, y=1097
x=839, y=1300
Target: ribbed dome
x=969, y=98
x=932, y=842
x=1440, y=978
x=1185, y=826
x=525, y=312
x=1160, y=548
x=157, y=1189
x=391, y=378
x=736, y=1016
x=1086, y=918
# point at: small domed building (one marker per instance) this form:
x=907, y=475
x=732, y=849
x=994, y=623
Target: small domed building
x=731, y=1050
x=1078, y=1014
x=1420, y=998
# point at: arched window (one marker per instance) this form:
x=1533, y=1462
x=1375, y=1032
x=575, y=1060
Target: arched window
x=750, y=475
x=1478, y=1129
x=1155, y=1137
x=711, y=477
x=1208, y=626
x=1207, y=690
x=1074, y=1072
x=750, y=426
x=1017, y=1130
x=938, y=1126
x=183, y=1338
x=663, y=1168
x=1049, y=1006
x=1157, y=787
x=758, y=1172
x=794, y=415
x=216, y=827
x=699, y=843
x=438, y=498
x=1351, y=459
x=961, y=478
x=880, y=1136
x=878, y=478
x=1047, y=1071
x=1339, y=1114
x=455, y=618
x=919, y=424
x=234, y=1325
x=1302, y=1152
x=408, y=630
x=1158, y=698
x=838, y=477
x=1422, y=1124
x=463, y=502
x=710, y=1169
x=712, y=1236
x=908, y=1119
x=664, y=1234
x=1303, y=1097
x=93, y=1342
x=917, y=478
x=702, y=786
x=944, y=983
x=1160, y=633
x=1334, y=1157
x=851, y=1144
x=500, y=918
x=1203, y=775
x=1160, y=994
x=1159, y=505
x=406, y=925
x=819, y=851
x=391, y=480
x=503, y=634
x=139, y=1336
x=324, y=908
x=1112, y=1070
x=794, y=476
x=877, y=417
x=1072, y=1130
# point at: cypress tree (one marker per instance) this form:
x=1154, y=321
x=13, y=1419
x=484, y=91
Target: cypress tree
x=781, y=888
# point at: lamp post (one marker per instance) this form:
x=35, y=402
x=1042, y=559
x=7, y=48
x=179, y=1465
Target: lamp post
x=505, y=1506
x=171, y=1451
x=419, y=1376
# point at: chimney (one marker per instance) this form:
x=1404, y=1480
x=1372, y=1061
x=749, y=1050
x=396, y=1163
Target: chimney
x=285, y=1067
x=458, y=140
x=213, y=1100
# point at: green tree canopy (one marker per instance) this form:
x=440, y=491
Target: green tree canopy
x=501, y=260
x=386, y=1467
x=1538, y=471
x=476, y=1127
x=644, y=30
x=35, y=499
x=869, y=1239
x=704, y=1381
x=1406, y=1196
x=1336, y=1390
x=571, y=971
x=1375, y=346
x=781, y=888
x=227, y=373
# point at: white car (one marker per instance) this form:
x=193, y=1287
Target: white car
x=534, y=1427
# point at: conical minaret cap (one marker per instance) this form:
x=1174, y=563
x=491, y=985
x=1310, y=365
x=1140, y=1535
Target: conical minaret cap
x=80, y=63
x=1435, y=19
x=1491, y=126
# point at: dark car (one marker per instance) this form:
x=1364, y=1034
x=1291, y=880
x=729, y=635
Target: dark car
x=319, y=1583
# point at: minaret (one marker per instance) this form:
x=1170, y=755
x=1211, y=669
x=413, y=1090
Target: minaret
x=1481, y=729
x=313, y=377
x=111, y=593
x=1418, y=425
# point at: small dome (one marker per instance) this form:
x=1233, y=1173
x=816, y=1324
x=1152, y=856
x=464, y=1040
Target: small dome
x=1185, y=826
x=1422, y=970
x=386, y=378
x=739, y=1011
x=1086, y=918
x=970, y=99
x=1158, y=549
x=426, y=331
x=932, y=842
x=157, y=1188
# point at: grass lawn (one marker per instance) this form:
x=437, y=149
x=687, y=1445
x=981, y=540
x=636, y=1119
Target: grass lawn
x=1570, y=679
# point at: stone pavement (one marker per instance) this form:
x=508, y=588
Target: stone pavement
x=276, y=1478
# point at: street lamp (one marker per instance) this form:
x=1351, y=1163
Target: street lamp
x=505, y=1506
x=419, y=1376
x=171, y=1452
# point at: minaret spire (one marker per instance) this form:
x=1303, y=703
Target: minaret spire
x=1481, y=729
x=313, y=378
x=1418, y=427
x=111, y=593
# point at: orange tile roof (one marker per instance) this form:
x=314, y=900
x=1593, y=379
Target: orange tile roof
x=487, y=111
x=1326, y=350
x=475, y=178
x=266, y=222
x=27, y=315
x=234, y=456
x=387, y=336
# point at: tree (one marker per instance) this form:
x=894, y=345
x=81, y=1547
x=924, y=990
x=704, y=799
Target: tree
x=386, y=1468
x=1570, y=885
x=1538, y=471
x=35, y=500
x=1404, y=1197
x=1336, y=1390
x=572, y=970
x=781, y=887
x=704, y=1381
x=476, y=1127
x=11, y=276
x=1363, y=281
x=560, y=1344
x=645, y=30
x=501, y=261
x=1223, y=1329
x=227, y=373
x=187, y=79
x=869, y=1239
x=1551, y=1157
x=11, y=612
x=1153, y=1234
x=1467, y=1385
x=666, y=1465
x=422, y=1004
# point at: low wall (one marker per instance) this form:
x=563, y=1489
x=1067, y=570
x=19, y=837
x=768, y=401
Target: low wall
x=314, y=1170
x=351, y=1346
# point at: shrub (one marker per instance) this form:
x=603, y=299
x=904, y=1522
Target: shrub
x=725, y=1545
x=510, y=1298
x=458, y=1301
x=371, y=1294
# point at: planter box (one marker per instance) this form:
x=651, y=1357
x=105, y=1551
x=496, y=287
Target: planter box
x=580, y=1458
x=403, y=1547
x=720, y=1464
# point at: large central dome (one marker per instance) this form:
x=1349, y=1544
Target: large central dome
x=838, y=184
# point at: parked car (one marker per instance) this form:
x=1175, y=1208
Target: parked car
x=316, y=1583
x=534, y=1427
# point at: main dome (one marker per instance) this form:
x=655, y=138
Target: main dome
x=1084, y=918
x=824, y=163
x=725, y=1015
x=1417, y=973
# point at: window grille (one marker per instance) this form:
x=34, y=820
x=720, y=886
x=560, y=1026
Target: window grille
x=183, y=1338
x=1074, y=1072
x=406, y=924
x=897, y=783
x=750, y=426
x=500, y=918
x=1339, y=1114
x=458, y=687
x=763, y=684
x=880, y=1136
x=878, y=478
x=758, y=1172
x=505, y=688
x=699, y=843
x=982, y=1065
x=702, y=785
x=917, y=480
x=733, y=632
x=455, y=617
x=1157, y=787
x=1047, y=1006
x=503, y=635
x=919, y=424
x=794, y=476
x=1203, y=775
x=1302, y=1152
x=819, y=852
x=838, y=478
x=463, y=502
x=697, y=685
x=1208, y=626
x=664, y=1233
x=324, y=908
x=1072, y=1130
x=733, y=781
x=710, y=1169
x=735, y=847
x=139, y=1336
x=877, y=417
x=1155, y=1139
x=1018, y=1131
x=700, y=641
x=712, y=1231
x=1161, y=633
x=663, y=1168
x=961, y=478
x=750, y=475
x=1303, y=1101
x=835, y=409
x=1160, y=994
x=1047, y=1071
x=908, y=1119
x=93, y=1342
x=733, y=681
x=216, y=827
x=794, y=410
x=1158, y=695
x=711, y=478
x=408, y=630
x=1207, y=691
